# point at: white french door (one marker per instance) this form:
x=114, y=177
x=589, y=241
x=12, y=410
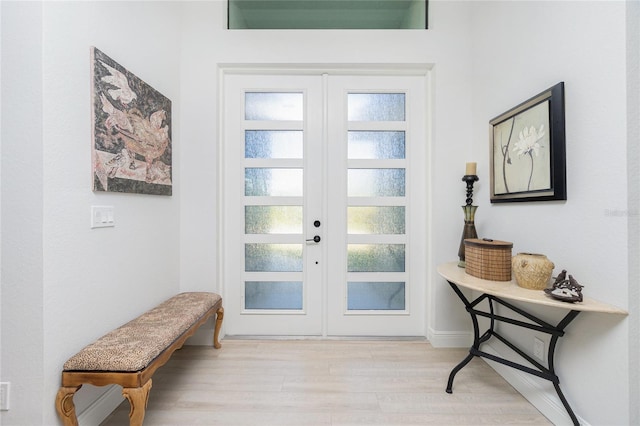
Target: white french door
x=323, y=205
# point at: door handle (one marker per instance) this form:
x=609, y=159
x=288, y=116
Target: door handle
x=315, y=239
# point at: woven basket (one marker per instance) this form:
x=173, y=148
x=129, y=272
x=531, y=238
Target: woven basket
x=488, y=259
x=532, y=271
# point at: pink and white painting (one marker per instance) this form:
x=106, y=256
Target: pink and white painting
x=131, y=131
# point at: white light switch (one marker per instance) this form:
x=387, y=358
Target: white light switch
x=102, y=216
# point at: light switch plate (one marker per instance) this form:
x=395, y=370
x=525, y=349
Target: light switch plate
x=102, y=217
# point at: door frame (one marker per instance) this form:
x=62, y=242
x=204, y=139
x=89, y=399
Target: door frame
x=424, y=70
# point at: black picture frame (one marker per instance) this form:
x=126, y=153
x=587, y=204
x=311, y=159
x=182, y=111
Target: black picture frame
x=528, y=150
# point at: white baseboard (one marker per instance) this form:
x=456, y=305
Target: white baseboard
x=202, y=337
x=545, y=400
x=449, y=339
x=100, y=409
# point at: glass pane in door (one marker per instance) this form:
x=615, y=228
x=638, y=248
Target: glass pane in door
x=376, y=257
x=376, y=182
x=273, y=106
x=273, y=257
x=273, y=295
x=376, y=220
x=273, y=182
x=273, y=143
x=376, y=145
x=366, y=295
x=273, y=219
x=376, y=106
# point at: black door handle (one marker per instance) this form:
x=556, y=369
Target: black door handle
x=315, y=239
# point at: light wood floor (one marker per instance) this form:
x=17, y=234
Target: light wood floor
x=327, y=382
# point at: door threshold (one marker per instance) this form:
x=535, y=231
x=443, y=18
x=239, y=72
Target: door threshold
x=361, y=338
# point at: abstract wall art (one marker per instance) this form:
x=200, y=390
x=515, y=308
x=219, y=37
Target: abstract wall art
x=131, y=144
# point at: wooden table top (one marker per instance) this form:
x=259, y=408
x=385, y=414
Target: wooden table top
x=510, y=290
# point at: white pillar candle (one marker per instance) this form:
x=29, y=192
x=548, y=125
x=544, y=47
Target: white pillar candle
x=471, y=169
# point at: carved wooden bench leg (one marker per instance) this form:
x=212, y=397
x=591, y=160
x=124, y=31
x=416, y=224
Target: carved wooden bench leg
x=216, y=333
x=138, y=398
x=65, y=406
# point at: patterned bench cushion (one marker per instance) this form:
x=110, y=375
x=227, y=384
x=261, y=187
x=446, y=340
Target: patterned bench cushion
x=133, y=346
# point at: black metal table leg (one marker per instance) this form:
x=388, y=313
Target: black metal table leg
x=455, y=371
x=550, y=362
x=537, y=324
x=476, y=337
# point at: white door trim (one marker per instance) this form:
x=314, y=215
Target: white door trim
x=424, y=70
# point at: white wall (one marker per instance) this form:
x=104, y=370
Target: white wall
x=65, y=284
x=22, y=202
x=0, y=196
x=520, y=49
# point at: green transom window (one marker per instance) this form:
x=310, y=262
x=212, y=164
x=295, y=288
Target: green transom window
x=327, y=14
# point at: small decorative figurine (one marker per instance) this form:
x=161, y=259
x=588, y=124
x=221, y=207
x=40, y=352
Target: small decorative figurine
x=567, y=290
x=561, y=276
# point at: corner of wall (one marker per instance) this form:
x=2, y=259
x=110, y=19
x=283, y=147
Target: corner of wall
x=633, y=180
x=22, y=211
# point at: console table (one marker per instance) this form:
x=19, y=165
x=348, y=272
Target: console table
x=498, y=292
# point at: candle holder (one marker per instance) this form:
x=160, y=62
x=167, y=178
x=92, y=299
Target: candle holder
x=469, y=230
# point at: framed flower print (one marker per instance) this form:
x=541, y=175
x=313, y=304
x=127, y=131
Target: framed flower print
x=528, y=156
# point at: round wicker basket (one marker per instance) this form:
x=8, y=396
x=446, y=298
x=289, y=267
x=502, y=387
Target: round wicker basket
x=531, y=270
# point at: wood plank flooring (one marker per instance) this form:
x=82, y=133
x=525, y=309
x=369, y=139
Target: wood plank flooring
x=328, y=382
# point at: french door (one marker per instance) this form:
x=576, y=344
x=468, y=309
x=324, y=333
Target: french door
x=324, y=205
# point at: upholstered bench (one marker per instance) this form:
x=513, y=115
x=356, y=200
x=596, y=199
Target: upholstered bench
x=129, y=355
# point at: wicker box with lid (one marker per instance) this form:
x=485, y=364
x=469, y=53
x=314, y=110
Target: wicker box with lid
x=488, y=259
